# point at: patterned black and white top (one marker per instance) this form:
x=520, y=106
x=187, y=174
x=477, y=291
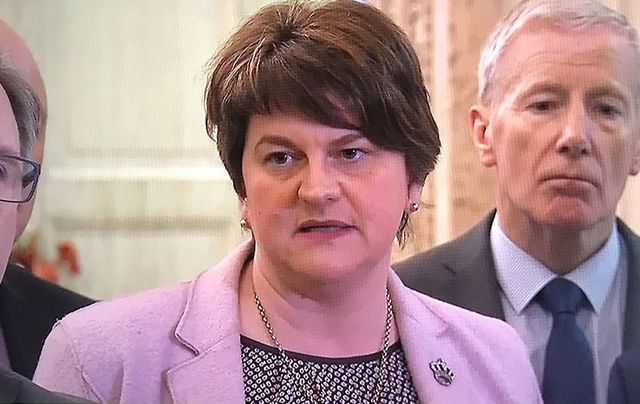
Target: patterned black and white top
x=341, y=380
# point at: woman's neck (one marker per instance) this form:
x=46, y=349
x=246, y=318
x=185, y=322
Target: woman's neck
x=338, y=320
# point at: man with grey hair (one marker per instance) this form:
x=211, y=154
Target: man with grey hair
x=29, y=306
x=18, y=178
x=559, y=118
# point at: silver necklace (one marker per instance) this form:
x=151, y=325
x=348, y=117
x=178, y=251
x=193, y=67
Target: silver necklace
x=382, y=371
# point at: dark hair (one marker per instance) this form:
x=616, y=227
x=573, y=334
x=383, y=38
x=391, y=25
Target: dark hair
x=340, y=63
x=25, y=106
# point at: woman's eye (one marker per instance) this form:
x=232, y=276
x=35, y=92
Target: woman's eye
x=280, y=158
x=352, y=154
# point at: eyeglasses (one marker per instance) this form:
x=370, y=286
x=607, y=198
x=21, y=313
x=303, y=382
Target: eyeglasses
x=18, y=179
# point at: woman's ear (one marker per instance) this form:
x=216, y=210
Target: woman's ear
x=415, y=194
x=244, y=211
x=482, y=134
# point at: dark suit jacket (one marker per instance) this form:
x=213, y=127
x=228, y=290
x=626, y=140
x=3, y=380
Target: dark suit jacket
x=462, y=272
x=29, y=307
x=15, y=388
x=624, y=380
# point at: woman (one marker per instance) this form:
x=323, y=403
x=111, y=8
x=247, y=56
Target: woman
x=323, y=123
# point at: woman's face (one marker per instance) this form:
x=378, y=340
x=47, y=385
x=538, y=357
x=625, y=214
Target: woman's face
x=322, y=202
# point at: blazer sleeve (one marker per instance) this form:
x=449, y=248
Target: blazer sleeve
x=61, y=369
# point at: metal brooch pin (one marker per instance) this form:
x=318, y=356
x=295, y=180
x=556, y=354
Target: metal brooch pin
x=442, y=372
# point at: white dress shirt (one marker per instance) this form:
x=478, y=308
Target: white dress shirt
x=601, y=278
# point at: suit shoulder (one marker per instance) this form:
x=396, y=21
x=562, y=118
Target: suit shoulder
x=428, y=258
x=429, y=271
x=21, y=285
x=464, y=246
x=15, y=388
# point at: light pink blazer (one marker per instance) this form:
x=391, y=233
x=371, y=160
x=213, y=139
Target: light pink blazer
x=181, y=344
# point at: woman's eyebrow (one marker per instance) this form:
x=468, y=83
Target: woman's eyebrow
x=346, y=139
x=275, y=140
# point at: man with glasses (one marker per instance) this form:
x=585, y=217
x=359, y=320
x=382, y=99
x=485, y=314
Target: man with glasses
x=24, y=171
x=29, y=306
x=18, y=178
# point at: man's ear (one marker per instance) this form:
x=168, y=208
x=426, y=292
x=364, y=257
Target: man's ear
x=481, y=134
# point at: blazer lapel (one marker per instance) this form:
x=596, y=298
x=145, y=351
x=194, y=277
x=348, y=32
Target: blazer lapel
x=210, y=328
x=419, y=338
x=424, y=340
x=213, y=376
x=632, y=307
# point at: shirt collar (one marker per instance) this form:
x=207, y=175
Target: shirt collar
x=522, y=276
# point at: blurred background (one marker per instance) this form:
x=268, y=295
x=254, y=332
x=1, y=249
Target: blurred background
x=133, y=195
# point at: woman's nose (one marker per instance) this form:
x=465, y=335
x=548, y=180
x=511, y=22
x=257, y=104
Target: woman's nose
x=319, y=183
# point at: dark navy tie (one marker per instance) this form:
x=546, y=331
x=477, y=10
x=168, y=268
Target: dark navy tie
x=568, y=365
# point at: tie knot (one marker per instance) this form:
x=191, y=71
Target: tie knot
x=561, y=296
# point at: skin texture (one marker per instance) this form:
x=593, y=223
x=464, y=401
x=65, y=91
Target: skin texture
x=9, y=145
x=15, y=50
x=563, y=134
x=297, y=172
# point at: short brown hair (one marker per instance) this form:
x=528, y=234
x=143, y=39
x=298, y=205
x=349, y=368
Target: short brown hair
x=340, y=63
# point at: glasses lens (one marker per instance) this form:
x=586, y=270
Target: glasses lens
x=10, y=179
x=29, y=177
